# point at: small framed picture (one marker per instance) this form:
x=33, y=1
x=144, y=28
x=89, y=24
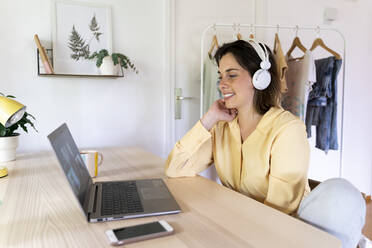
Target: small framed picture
x=79, y=30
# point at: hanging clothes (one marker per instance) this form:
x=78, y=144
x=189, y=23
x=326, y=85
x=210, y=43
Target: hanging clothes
x=299, y=77
x=281, y=63
x=322, y=104
x=210, y=86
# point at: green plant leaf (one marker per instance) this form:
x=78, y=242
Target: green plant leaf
x=77, y=45
x=93, y=26
x=10, y=130
x=33, y=117
x=28, y=121
x=2, y=130
x=24, y=127
x=97, y=35
x=93, y=55
x=117, y=58
x=99, y=62
x=99, y=56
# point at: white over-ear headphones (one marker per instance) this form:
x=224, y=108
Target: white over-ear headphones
x=262, y=77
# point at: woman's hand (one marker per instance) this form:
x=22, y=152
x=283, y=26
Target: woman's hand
x=217, y=112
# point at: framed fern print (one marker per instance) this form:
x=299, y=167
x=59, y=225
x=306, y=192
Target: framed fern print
x=79, y=29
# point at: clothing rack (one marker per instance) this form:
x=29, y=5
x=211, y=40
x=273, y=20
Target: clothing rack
x=235, y=26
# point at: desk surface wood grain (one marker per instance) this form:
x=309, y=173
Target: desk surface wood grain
x=38, y=209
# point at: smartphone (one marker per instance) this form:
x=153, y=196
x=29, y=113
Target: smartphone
x=130, y=234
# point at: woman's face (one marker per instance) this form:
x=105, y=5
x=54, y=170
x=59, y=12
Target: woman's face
x=235, y=83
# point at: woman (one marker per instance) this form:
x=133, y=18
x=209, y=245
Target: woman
x=258, y=148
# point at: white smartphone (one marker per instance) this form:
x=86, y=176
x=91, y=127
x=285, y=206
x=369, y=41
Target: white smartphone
x=130, y=234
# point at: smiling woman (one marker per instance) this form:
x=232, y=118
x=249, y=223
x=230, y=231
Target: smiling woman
x=258, y=148
x=261, y=150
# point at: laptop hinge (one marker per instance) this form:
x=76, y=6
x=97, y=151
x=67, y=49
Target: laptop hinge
x=93, y=199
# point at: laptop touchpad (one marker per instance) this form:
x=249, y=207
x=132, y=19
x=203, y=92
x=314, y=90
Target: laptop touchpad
x=155, y=193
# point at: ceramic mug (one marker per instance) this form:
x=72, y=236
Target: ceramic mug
x=92, y=159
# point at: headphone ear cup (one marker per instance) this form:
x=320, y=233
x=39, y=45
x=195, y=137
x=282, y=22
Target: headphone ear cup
x=261, y=79
x=265, y=64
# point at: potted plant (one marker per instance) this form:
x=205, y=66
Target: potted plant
x=9, y=136
x=111, y=64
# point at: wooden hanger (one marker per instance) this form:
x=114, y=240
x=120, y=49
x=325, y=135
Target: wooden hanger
x=236, y=28
x=319, y=42
x=276, y=42
x=251, y=35
x=239, y=36
x=214, y=45
x=296, y=43
x=276, y=39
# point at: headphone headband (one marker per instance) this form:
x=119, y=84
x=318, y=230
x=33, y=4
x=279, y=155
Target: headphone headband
x=262, y=52
x=262, y=77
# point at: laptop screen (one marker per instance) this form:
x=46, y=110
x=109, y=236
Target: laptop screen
x=72, y=164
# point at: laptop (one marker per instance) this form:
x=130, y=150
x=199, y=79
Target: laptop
x=111, y=200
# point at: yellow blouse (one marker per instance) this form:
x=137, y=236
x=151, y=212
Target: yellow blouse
x=270, y=165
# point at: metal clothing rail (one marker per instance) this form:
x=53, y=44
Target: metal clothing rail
x=294, y=27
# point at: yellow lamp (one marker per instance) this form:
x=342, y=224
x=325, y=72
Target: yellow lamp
x=11, y=111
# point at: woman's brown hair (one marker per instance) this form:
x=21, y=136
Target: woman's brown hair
x=247, y=57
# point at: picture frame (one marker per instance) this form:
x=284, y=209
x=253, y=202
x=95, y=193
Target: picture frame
x=79, y=29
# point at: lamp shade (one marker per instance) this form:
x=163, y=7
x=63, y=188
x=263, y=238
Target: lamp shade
x=11, y=111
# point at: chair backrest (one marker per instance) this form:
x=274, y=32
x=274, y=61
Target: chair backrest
x=314, y=183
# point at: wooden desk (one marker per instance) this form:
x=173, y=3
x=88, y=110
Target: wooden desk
x=39, y=209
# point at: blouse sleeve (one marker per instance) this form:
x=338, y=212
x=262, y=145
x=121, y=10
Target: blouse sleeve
x=192, y=154
x=288, y=168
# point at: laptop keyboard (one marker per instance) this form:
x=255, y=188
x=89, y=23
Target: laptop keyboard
x=120, y=198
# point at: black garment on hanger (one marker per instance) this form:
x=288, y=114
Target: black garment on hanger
x=322, y=104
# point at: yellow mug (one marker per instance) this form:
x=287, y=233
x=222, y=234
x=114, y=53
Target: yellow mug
x=92, y=159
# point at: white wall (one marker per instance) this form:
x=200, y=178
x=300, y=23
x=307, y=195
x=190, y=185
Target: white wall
x=100, y=112
x=354, y=22
x=191, y=18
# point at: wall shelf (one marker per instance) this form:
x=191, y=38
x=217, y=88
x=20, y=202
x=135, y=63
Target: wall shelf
x=78, y=75
x=50, y=52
